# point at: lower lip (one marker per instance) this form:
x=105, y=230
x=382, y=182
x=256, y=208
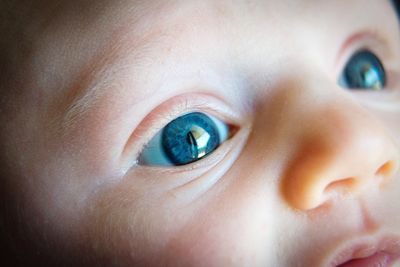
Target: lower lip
x=381, y=259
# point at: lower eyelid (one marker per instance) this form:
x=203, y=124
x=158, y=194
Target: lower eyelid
x=387, y=100
x=196, y=178
x=169, y=110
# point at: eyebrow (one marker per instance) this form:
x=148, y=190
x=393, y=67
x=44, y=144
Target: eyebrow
x=94, y=81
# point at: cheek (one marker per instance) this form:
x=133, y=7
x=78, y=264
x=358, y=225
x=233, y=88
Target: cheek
x=236, y=228
x=393, y=124
x=390, y=120
x=229, y=225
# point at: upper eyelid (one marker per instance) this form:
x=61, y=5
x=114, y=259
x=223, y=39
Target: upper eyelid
x=368, y=40
x=179, y=108
x=171, y=109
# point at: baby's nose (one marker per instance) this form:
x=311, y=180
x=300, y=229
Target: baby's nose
x=344, y=150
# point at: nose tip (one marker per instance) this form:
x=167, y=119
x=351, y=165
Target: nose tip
x=311, y=183
x=345, y=159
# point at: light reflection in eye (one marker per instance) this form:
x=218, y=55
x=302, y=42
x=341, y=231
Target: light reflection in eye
x=198, y=139
x=365, y=71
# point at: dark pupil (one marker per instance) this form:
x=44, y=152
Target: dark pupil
x=364, y=71
x=189, y=138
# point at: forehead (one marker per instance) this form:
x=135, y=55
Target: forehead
x=152, y=30
x=135, y=21
x=184, y=26
x=78, y=35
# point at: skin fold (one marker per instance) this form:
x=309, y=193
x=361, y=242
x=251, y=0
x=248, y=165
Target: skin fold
x=310, y=167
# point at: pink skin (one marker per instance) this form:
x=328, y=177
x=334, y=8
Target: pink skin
x=312, y=169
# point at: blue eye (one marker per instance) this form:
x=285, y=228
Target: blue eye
x=184, y=140
x=363, y=71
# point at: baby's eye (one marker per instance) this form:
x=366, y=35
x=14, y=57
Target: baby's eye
x=184, y=140
x=364, y=70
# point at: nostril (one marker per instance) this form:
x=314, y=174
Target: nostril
x=345, y=185
x=386, y=172
x=386, y=169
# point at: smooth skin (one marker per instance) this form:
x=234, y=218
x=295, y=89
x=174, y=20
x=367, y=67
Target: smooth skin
x=311, y=166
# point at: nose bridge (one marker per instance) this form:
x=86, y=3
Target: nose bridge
x=344, y=149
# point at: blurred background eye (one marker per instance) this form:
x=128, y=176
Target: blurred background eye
x=184, y=140
x=365, y=71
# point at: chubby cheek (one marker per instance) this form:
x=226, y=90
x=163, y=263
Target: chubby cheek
x=205, y=243
x=392, y=123
x=124, y=227
x=225, y=227
x=235, y=228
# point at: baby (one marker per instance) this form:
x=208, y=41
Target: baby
x=199, y=133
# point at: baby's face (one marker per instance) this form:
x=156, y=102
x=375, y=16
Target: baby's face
x=201, y=133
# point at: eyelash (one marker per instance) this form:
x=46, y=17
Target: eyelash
x=372, y=41
x=174, y=108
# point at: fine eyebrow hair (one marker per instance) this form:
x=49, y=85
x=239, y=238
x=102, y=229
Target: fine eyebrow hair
x=101, y=74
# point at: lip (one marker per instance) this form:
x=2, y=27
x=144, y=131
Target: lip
x=369, y=248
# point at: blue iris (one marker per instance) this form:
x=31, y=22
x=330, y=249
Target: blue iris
x=189, y=138
x=364, y=70
x=185, y=140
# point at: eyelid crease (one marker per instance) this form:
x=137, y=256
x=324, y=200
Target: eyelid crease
x=180, y=107
x=350, y=46
x=169, y=110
